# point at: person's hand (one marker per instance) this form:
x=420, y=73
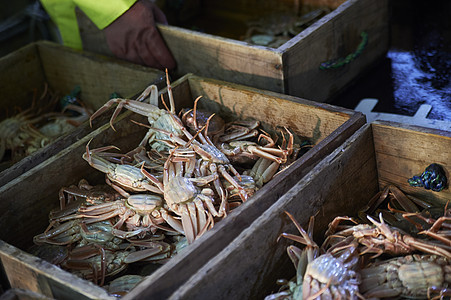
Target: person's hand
x=134, y=36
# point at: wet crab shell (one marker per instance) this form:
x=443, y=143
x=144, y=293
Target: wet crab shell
x=333, y=275
x=408, y=276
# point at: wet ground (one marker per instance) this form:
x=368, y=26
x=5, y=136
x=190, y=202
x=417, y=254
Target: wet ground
x=417, y=68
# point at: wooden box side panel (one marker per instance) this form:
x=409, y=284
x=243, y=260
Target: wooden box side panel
x=27, y=272
x=249, y=267
x=98, y=76
x=335, y=36
x=306, y=118
x=26, y=201
x=21, y=73
x=224, y=59
x=403, y=151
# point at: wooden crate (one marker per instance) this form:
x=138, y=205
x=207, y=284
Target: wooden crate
x=341, y=184
x=63, y=68
x=294, y=67
x=26, y=201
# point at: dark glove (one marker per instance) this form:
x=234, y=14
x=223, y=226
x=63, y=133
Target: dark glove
x=134, y=36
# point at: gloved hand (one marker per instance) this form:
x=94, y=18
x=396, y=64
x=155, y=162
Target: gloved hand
x=134, y=36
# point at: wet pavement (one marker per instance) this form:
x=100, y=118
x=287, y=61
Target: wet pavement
x=417, y=68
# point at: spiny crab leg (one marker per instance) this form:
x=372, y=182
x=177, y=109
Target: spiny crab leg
x=153, y=91
x=195, y=111
x=206, y=128
x=170, y=96
x=239, y=130
x=268, y=153
x=306, y=238
x=243, y=194
x=152, y=178
x=133, y=105
x=101, y=149
x=290, y=142
x=172, y=136
x=266, y=136
x=407, y=241
x=385, y=230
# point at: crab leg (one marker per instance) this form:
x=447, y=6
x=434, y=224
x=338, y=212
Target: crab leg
x=171, y=98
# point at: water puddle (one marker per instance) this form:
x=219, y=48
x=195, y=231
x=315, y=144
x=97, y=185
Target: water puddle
x=421, y=78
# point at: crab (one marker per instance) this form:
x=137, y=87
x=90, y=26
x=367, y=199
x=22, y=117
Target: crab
x=141, y=213
x=211, y=159
x=96, y=263
x=86, y=193
x=157, y=118
x=411, y=276
x=76, y=231
x=122, y=176
x=379, y=238
x=194, y=205
x=197, y=119
x=320, y=274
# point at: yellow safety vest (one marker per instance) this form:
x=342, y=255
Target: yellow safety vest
x=101, y=12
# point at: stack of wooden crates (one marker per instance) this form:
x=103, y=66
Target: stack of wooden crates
x=240, y=257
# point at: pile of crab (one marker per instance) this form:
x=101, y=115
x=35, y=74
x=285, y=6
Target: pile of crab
x=29, y=130
x=398, y=249
x=188, y=172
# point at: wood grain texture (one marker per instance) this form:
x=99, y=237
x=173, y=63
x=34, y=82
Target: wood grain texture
x=310, y=119
x=292, y=68
x=249, y=266
x=30, y=67
x=335, y=36
x=26, y=201
x=98, y=76
x=404, y=151
x=225, y=59
x=21, y=73
x=28, y=272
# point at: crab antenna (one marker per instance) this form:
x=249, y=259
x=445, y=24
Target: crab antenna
x=195, y=110
x=186, y=113
x=164, y=103
x=152, y=90
x=194, y=137
x=208, y=123
x=88, y=153
x=171, y=98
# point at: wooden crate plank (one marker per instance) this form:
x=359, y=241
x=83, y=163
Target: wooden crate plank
x=31, y=273
x=224, y=59
x=404, y=151
x=249, y=266
x=98, y=76
x=314, y=123
x=25, y=65
x=335, y=36
x=292, y=68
